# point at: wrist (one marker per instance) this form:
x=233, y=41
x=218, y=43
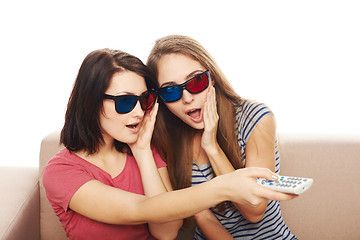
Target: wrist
x=220, y=189
x=213, y=149
x=141, y=153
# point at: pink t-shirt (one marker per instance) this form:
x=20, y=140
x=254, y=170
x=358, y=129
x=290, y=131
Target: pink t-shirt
x=65, y=173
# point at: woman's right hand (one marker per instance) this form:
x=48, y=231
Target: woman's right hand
x=146, y=131
x=211, y=121
x=243, y=188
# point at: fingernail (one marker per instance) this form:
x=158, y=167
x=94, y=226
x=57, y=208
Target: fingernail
x=274, y=177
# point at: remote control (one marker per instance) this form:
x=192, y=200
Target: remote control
x=293, y=185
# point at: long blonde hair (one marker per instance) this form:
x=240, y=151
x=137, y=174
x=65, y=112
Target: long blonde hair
x=172, y=137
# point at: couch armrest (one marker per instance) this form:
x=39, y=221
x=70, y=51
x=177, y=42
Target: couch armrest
x=20, y=197
x=50, y=226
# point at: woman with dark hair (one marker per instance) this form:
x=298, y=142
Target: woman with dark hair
x=205, y=129
x=109, y=182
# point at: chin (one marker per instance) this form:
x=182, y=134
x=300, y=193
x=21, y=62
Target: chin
x=198, y=126
x=129, y=140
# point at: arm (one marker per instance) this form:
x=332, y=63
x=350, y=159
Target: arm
x=115, y=206
x=155, y=181
x=169, y=230
x=211, y=227
x=219, y=162
x=259, y=151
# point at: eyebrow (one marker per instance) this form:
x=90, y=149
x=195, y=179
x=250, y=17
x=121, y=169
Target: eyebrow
x=128, y=93
x=187, y=77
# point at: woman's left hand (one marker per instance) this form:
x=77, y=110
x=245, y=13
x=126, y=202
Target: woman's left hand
x=146, y=130
x=211, y=120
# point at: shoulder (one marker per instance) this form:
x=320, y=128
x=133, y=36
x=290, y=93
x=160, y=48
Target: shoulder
x=64, y=174
x=249, y=115
x=252, y=109
x=64, y=159
x=157, y=158
x=65, y=168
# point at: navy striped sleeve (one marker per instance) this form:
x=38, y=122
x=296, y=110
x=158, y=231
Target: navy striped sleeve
x=248, y=116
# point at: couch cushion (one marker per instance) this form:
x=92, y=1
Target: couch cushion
x=330, y=209
x=20, y=194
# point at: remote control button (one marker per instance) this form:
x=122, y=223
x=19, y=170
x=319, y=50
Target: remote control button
x=287, y=184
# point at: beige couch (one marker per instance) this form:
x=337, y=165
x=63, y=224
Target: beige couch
x=329, y=210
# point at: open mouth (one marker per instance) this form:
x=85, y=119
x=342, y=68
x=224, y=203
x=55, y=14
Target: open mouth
x=132, y=126
x=195, y=113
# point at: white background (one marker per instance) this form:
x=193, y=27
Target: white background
x=302, y=58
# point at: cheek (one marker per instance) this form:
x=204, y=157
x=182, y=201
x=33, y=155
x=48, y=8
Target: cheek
x=203, y=96
x=112, y=124
x=175, y=107
x=109, y=115
x=109, y=123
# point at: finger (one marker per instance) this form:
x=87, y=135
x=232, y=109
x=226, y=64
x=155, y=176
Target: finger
x=209, y=122
x=213, y=96
x=206, y=112
x=154, y=111
x=274, y=195
x=150, y=116
x=148, y=123
x=257, y=172
x=146, y=118
x=210, y=110
x=212, y=105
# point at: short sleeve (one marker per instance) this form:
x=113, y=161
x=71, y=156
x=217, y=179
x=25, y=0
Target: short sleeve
x=61, y=181
x=247, y=118
x=158, y=160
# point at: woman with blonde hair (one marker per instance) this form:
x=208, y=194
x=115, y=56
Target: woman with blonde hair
x=205, y=129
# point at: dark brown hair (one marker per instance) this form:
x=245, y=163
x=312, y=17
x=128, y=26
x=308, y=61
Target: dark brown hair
x=82, y=129
x=173, y=137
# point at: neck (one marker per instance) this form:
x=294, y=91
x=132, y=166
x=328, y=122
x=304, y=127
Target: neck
x=108, y=159
x=105, y=153
x=199, y=155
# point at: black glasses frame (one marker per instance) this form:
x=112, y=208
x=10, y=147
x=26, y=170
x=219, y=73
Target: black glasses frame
x=183, y=86
x=117, y=99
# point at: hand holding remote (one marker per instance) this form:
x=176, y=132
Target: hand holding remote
x=286, y=184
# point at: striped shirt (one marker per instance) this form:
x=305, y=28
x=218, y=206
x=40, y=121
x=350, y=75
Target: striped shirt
x=272, y=226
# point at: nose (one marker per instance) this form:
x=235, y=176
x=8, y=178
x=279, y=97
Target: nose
x=187, y=97
x=137, y=111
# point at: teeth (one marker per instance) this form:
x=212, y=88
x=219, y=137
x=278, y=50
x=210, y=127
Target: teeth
x=192, y=111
